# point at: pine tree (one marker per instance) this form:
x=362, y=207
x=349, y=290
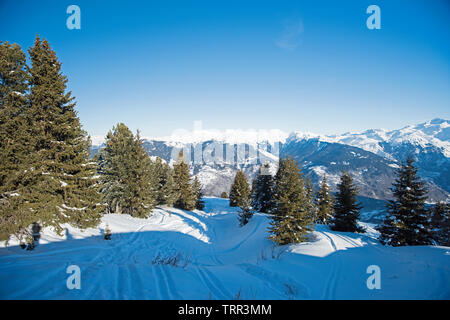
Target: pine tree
x=15, y=144
x=58, y=183
x=240, y=190
x=199, y=203
x=224, y=195
x=440, y=222
x=346, y=208
x=262, y=190
x=311, y=204
x=245, y=212
x=165, y=185
x=128, y=183
x=324, y=203
x=186, y=198
x=408, y=222
x=291, y=219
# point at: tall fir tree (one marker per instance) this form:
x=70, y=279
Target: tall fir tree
x=240, y=190
x=129, y=185
x=262, y=190
x=186, y=197
x=16, y=144
x=311, y=204
x=408, y=222
x=197, y=188
x=166, y=193
x=346, y=208
x=59, y=183
x=324, y=202
x=291, y=219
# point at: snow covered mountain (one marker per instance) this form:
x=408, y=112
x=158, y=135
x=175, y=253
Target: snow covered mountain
x=371, y=156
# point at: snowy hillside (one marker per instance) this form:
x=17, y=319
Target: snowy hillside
x=177, y=254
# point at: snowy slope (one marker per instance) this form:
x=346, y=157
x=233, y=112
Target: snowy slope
x=218, y=260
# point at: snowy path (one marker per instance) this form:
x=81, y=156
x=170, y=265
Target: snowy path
x=217, y=260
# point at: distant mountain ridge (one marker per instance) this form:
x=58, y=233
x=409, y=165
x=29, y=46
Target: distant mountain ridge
x=371, y=156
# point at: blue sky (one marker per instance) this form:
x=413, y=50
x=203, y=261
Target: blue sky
x=292, y=65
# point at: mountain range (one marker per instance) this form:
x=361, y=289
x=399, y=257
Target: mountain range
x=372, y=156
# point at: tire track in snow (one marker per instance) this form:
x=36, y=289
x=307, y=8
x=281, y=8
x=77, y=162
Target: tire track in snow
x=330, y=287
x=170, y=284
x=161, y=283
x=236, y=246
x=269, y=278
x=208, y=280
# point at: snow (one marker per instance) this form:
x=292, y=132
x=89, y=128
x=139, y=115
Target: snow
x=217, y=260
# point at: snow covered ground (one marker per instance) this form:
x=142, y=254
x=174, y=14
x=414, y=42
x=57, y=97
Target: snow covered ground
x=217, y=260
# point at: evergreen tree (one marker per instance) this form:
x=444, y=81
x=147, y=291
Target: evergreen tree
x=262, y=191
x=245, y=212
x=240, y=190
x=186, y=198
x=15, y=144
x=163, y=173
x=346, y=208
x=224, y=195
x=197, y=188
x=57, y=179
x=311, y=204
x=440, y=222
x=324, y=203
x=291, y=219
x=408, y=222
x=129, y=185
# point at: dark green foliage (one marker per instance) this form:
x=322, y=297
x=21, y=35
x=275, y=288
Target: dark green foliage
x=324, y=202
x=165, y=185
x=240, y=190
x=408, y=222
x=47, y=157
x=311, y=204
x=128, y=183
x=197, y=188
x=292, y=219
x=346, y=208
x=245, y=212
x=262, y=190
x=15, y=143
x=186, y=197
x=440, y=222
x=224, y=195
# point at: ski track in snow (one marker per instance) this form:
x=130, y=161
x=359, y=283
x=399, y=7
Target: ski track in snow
x=222, y=259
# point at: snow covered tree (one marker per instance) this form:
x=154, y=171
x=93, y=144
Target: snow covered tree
x=311, y=203
x=240, y=190
x=262, y=190
x=291, y=219
x=128, y=183
x=166, y=193
x=440, y=222
x=245, y=212
x=324, y=202
x=57, y=180
x=408, y=222
x=346, y=208
x=197, y=188
x=186, y=197
x=15, y=144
